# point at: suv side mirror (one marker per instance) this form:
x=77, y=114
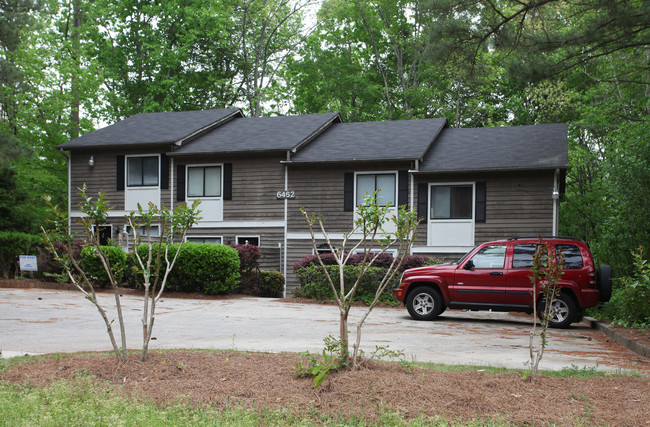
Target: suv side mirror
x=468, y=265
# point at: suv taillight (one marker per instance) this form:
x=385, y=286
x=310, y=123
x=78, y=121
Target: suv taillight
x=592, y=280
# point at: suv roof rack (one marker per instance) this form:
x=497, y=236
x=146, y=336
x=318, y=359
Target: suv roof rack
x=545, y=237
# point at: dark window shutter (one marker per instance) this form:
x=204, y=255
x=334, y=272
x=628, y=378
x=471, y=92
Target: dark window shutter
x=119, y=163
x=164, y=171
x=423, y=201
x=403, y=188
x=480, y=201
x=180, y=183
x=348, y=192
x=227, y=181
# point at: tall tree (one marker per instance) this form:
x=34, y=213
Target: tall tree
x=269, y=32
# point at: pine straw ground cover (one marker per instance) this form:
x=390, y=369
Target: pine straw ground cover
x=262, y=381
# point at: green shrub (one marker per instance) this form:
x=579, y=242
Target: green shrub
x=630, y=302
x=13, y=244
x=92, y=265
x=271, y=284
x=316, y=285
x=204, y=267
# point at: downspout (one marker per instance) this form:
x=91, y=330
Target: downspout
x=556, y=202
x=171, y=184
x=286, y=223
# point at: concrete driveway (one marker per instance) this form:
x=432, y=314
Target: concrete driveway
x=49, y=321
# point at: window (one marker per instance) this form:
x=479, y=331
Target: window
x=142, y=231
x=451, y=202
x=490, y=257
x=383, y=183
x=211, y=240
x=142, y=171
x=248, y=240
x=572, y=256
x=522, y=255
x=204, y=181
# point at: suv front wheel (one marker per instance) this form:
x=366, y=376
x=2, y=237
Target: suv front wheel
x=563, y=311
x=424, y=303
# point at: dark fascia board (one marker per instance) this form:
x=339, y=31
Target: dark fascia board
x=482, y=170
x=225, y=153
x=433, y=141
x=189, y=138
x=310, y=138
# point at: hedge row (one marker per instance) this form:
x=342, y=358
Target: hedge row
x=212, y=269
x=314, y=283
x=381, y=261
x=316, y=286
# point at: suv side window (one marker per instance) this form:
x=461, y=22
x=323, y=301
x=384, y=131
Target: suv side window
x=572, y=256
x=490, y=257
x=522, y=255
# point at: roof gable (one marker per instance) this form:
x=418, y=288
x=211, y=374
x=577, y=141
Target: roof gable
x=499, y=148
x=372, y=141
x=151, y=129
x=255, y=134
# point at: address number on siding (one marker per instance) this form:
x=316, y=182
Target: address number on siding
x=286, y=195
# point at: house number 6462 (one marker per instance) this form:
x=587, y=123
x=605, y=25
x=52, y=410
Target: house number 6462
x=286, y=195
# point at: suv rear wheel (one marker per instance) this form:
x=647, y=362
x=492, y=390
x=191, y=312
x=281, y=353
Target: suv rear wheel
x=424, y=303
x=563, y=311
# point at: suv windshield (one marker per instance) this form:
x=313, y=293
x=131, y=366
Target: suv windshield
x=464, y=256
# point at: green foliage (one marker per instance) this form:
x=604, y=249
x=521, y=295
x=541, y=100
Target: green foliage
x=13, y=244
x=630, y=302
x=316, y=286
x=94, y=269
x=202, y=267
x=271, y=284
x=321, y=365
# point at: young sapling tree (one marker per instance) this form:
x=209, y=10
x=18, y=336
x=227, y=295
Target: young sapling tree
x=172, y=225
x=545, y=275
x=96, y=213
x=370, y=236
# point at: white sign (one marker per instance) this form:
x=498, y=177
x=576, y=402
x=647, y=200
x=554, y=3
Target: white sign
x=28, y=263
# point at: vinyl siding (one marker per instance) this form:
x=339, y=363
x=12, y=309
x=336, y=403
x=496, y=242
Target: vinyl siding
x=517, y=203
x=320, y=190
x=102, y=176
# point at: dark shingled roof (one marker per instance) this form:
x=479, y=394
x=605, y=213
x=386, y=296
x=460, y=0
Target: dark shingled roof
x=259, y=134
x=376, y=141
x=150, y=129
x=499, y=148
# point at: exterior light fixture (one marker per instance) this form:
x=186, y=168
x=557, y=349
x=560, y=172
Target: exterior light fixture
x=91, y=161
x=556, y=194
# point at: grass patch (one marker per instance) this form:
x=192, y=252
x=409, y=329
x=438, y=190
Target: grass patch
x=80, y=402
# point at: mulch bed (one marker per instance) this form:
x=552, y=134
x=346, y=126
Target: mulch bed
x=260, y=380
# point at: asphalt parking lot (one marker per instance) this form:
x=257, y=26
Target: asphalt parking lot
x=51, y=321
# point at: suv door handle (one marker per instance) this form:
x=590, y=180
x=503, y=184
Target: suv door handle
x=496, y=273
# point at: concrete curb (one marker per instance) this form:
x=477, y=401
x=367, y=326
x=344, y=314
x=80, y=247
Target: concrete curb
x=603, y=328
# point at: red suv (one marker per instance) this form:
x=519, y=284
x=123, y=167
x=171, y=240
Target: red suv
x=495, y=276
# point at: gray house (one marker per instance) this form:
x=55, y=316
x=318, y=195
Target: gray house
x=253, y=175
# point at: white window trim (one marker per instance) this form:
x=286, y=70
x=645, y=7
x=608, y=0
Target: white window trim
x=389, y=172
x=245, y=236
x=204, y=237
x=129, y=233
x=187, y=182
x=126, y=173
